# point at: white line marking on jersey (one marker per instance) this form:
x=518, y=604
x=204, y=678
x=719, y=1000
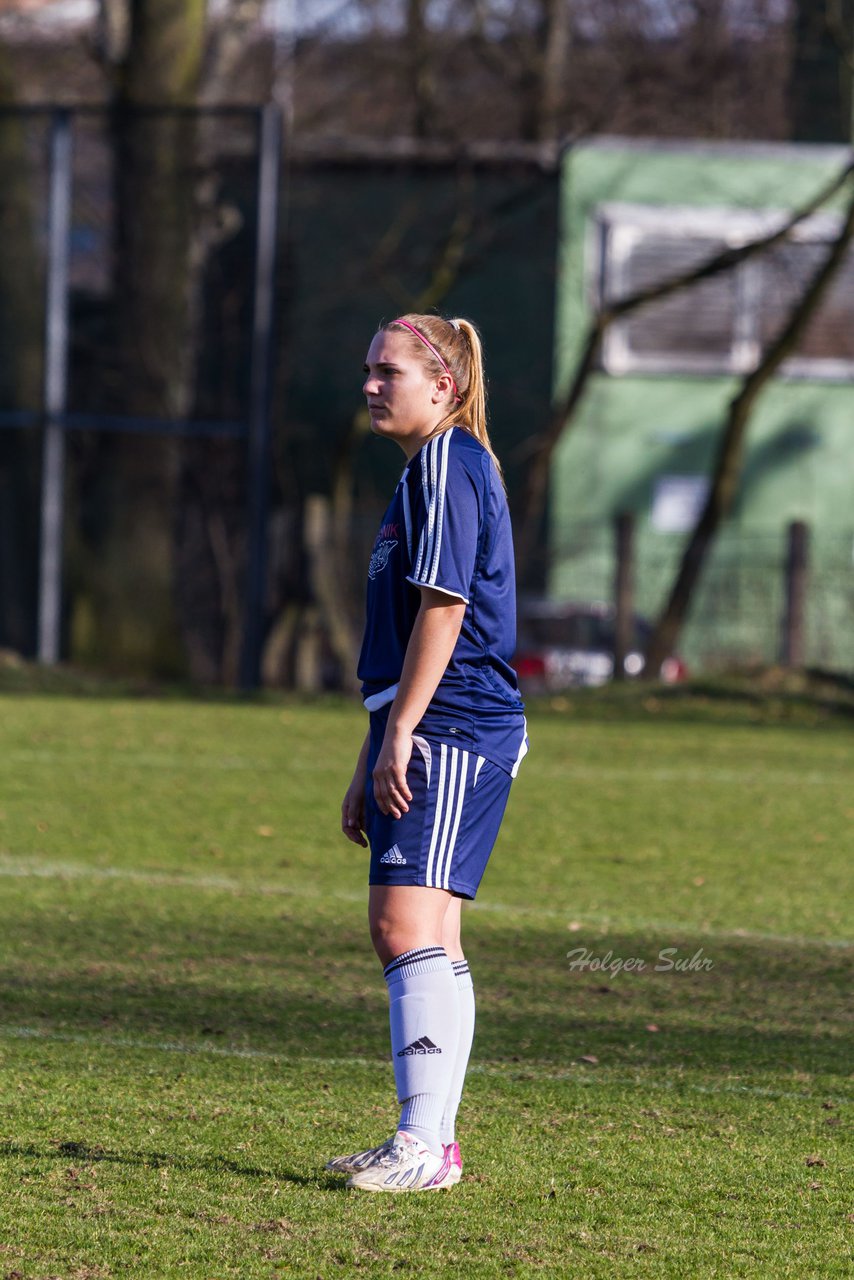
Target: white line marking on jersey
x=444, y=448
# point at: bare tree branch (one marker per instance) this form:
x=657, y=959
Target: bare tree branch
x=542, y=447
x=728, y=465
x=226, y=45
x=840, y=32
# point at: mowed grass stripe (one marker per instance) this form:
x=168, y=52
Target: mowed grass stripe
x=23, y=868
x=530, y=1069
x=74, y=759
x=588, y=830
x=191, y=1020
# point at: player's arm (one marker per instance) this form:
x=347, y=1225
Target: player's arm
x=433, y=638
x=353, y=806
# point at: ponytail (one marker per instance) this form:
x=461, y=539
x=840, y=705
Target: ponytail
x=454, y=347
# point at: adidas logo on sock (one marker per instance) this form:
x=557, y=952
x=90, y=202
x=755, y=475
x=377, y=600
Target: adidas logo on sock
x=393, y=857
x=424, y=1045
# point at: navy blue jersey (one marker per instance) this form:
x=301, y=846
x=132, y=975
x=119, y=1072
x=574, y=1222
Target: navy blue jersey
x=448, y=527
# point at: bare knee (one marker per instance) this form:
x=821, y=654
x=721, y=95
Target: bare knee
x=393, y=937
x=388, y=938
x=406, y=918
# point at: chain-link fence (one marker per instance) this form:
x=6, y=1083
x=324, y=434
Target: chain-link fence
x=136, y=361
x=738, y=615
x=209, y=495
x=177, y=494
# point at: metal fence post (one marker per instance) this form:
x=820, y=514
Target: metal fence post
x=794, y=618
x=623, y=593
x=55, y=390
x=260, y=435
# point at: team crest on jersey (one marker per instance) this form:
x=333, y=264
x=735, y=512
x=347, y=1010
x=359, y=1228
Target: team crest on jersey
x=380, y=554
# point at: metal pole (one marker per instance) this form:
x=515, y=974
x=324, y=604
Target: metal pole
x=623, y=593
x=55, y=389
x=269, y=161
x=794, y=618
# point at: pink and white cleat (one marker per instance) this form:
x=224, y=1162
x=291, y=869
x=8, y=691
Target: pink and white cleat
x=358, y=1160
x=455, y=1172
x=407, y=1165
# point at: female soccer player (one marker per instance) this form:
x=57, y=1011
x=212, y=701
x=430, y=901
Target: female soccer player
x=447, y=730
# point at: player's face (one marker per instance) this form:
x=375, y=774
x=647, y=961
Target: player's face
x=404, y=402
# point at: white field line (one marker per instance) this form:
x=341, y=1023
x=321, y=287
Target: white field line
x=526, y=1070
x=78, y=760
x=43, y=870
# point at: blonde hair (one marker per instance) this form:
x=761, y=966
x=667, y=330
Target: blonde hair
x=457, y=343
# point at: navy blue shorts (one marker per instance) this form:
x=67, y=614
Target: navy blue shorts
x=445, y=839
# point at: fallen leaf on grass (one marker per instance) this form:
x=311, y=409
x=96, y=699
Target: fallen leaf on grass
x=813, y=1162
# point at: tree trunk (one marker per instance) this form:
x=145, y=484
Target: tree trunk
x=21, y=323
x=555, y=68
x=421, y=70
x=542, y=78
x=154, y=52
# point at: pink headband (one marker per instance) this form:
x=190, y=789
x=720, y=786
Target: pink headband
x=430, y=347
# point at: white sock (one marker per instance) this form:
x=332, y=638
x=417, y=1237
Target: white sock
x=424, y=1018
x=461, y=1062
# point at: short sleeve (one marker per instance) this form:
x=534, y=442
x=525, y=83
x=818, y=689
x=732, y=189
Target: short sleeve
x=445, y=513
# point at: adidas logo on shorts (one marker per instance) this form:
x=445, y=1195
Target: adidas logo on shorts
x=424, y=1045
x=393, y=857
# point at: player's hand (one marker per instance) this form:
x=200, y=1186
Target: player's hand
x=353, y=812
x=391, y=790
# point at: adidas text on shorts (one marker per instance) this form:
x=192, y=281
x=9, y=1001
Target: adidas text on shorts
x=445, y=839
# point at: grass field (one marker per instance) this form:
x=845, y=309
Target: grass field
x=192, y=1021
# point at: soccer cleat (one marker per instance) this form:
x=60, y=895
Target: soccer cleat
x=407, y=1165
x=455, y=1172
x=359, y=1159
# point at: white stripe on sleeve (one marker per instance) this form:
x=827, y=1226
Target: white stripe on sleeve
x=444, y=442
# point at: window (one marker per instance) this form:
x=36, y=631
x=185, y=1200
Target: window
x=723, y=324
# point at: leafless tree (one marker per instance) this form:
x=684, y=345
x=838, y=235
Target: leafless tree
x=728, y=464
